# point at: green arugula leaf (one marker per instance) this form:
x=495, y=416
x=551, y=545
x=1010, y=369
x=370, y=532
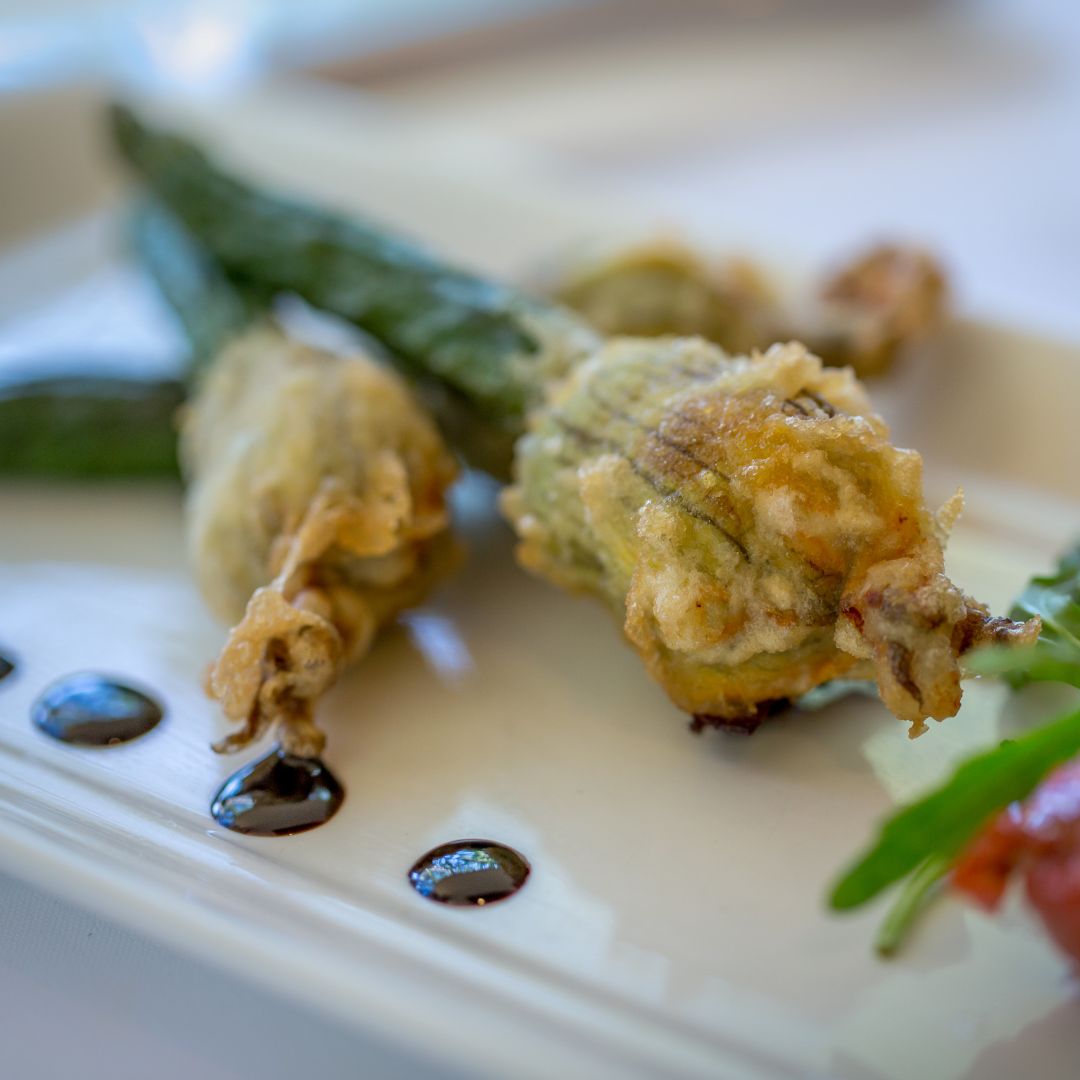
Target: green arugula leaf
x=945, y=820
x=1043, y=662
x=1055, y=598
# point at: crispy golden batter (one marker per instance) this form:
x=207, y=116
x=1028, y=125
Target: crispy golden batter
x=864, y=314
x=316, y=513
x=752, y=526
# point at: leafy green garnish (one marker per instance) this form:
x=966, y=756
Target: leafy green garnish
x=941, y=823
x=919, y=888
x=1021, y=666
x=924, y=838
x=1055, y=657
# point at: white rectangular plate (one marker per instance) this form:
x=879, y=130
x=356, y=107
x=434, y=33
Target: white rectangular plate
x=674, y=922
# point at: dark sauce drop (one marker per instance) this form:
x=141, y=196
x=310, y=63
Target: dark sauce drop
x=277, y=795
x=6, y=666
x=469, y=873
x=93, y=710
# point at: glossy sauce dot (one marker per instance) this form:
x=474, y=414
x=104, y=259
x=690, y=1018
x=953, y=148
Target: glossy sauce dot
x=87, y=709
x=6, y=666
x=277, y=795
x=469, y=873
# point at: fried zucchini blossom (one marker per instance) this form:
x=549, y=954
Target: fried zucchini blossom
x=749, y=522
x=867, y=313
x=316, y=512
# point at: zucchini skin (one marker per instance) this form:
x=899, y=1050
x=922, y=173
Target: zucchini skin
x=87, y=420
x=209, y=306
x=85, y=424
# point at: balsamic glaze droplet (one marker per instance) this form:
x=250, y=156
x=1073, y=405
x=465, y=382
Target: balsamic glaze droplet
x=277, y=795
x=93, y=710
x=6, y=666
x=469, y=873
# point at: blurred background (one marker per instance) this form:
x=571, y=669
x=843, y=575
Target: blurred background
x=790, y=125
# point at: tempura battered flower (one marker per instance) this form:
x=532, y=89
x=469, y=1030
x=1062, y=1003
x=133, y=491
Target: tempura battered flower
x=863, y=314
x=751, y=524
x=316, y=513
